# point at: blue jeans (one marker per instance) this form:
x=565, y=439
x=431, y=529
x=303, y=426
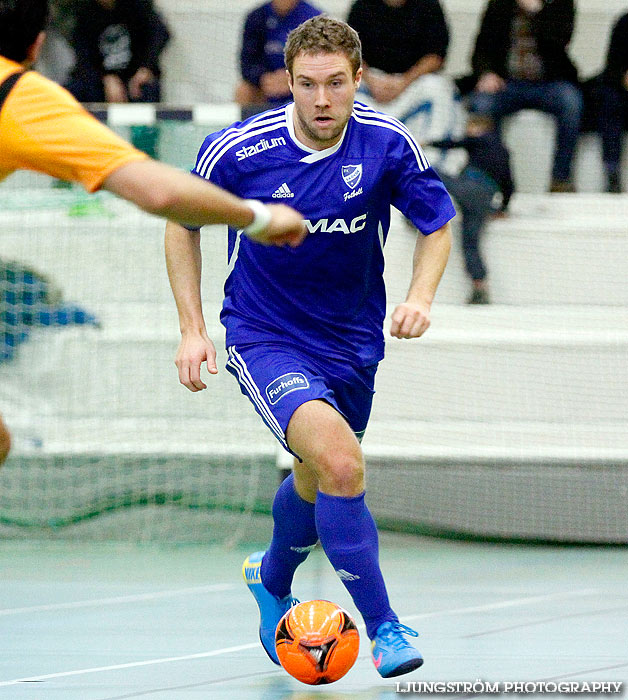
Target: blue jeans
x=473, y=191
x=561, y=99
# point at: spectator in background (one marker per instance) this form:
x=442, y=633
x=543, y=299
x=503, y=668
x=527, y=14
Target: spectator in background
x=404, y=44
x=264, y=82
x=520, y=62
x=117, y=44
x=486, y=174
x=402, y=40
x=56, y=59
x=612, y=103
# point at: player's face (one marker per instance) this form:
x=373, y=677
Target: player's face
x=323, y=88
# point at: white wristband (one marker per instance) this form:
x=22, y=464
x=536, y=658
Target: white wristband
x=261, y=217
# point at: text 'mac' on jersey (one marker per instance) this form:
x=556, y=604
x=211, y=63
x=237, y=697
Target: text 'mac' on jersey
x=328, y=294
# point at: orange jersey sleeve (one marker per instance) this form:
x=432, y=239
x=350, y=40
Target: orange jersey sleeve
x=43, y=128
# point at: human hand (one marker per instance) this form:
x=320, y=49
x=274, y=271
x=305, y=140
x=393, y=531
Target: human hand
x=275, y=83
x=141, y=77
x=286, y=227
x=385, y=88
x=115, y=91
x=531, y=6
x=490, y=83
x=194, y=349
x=410, y=320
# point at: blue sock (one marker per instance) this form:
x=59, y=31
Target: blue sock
x=294, y=537
x=349, y=537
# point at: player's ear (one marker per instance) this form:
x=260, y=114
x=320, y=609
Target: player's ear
x=35, y=49
x=358, y=78
x=289, y=80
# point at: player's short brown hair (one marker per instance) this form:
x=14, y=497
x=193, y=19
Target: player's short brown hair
x=323, y=34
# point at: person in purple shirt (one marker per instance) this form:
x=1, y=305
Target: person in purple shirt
x=264, y=83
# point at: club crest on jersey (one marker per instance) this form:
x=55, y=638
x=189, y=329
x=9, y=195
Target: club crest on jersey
x=352, y=174
x=285, y=384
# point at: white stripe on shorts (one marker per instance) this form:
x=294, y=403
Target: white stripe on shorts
x=246, y=381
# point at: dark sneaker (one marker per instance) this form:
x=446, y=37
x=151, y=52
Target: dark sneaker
x=613, y=184
x=562, y=186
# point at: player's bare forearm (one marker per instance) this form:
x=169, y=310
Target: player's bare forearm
x=168, y=192
x=428, y=264
x=165, y=191
x=184, y=264
x=412, y=318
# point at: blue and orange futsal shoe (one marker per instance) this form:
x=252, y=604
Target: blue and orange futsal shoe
x=271, y=608
x=392, y=654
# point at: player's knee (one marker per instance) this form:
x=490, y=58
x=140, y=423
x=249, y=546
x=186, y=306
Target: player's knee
x=342, y=474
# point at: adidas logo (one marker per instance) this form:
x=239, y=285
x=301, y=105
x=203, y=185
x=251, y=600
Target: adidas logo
x=346, y=576
x=282, y=192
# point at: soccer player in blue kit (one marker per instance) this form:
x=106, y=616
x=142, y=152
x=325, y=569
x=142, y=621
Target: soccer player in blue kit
x=304, y=325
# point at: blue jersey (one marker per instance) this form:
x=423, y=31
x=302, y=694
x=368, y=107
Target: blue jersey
x=328, y=294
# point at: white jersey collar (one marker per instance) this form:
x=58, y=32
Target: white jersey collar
x=313, y=155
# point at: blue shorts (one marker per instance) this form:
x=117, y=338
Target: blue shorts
x=278, y=378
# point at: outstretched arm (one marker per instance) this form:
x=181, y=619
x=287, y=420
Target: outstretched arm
x=160, y=189
x=412, y=318
x=183, y=260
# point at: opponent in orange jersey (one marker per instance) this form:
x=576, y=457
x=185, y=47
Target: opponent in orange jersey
x=43, y=128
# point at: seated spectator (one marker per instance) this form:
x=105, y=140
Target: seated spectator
x=404, y=45
x=520, y=61
x=57, y=58
x=264, y=82
x=117, y=45
x=612, y=103
x=486, y=175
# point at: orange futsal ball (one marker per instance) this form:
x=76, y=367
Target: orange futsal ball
x=317, y=642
